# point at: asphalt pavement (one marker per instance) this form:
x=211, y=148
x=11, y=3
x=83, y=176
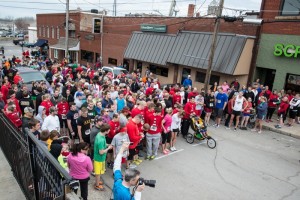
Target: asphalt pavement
x=10, y=49
x=244, y=166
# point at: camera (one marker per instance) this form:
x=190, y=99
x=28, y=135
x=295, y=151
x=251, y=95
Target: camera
x=150, y=183
x=74, y=184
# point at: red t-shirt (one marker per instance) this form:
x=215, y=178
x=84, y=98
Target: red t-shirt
x=136, y=111
x=273, y=98
x=133, y=134
x=17, y=79
x=47, y=105
x=188, y=109
x=176, y=99
x=283, y=107
x=175, y=111
x=155, y=123
x=114, y=129
x=149, y=91
x=4, y=90
x=14, y=118
x=192, y=94
x=62, y=108
x=247, y=109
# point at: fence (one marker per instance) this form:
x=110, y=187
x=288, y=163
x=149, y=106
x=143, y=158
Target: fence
x=39, y=175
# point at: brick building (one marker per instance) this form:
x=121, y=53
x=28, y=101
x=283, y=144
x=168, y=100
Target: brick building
x=278, y=60
x=119, y=33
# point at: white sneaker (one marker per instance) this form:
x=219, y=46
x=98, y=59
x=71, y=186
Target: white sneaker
x=174, y=149
x=132, y=166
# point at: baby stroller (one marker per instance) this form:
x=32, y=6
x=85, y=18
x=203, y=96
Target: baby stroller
x=199, y=131
x=252, y=119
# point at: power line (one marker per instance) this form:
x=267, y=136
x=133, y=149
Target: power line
x=29, y=8
x=121, y=3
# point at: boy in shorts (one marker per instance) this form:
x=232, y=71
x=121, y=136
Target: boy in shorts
x=100, y=151
x=117, y=143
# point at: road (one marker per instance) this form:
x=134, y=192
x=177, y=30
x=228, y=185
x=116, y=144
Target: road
x=244, y=166
x=11, y=49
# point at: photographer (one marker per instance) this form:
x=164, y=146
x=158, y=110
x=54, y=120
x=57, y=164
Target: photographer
x=122, y=186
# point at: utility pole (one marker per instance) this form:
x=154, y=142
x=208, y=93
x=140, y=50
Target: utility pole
x=101, y=30
x=67, y=31
x=213, y=45
x=115, y=8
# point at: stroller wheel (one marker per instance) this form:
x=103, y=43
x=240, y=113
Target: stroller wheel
x=190, y=138
x=211, y=143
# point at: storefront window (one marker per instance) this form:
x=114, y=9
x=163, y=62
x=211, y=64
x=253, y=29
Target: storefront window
x=53, y=32
x=200, y=77
x=161, y=71
x=113, y=61
x=290, y=7
x=87, y=56
x=292, y=82
x=55, y=53
x=57, y=32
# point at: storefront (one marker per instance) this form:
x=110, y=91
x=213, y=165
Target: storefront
x=58, y=50
x=278, y=61
x=173, y=57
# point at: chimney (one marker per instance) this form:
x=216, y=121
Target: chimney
x=191, y=10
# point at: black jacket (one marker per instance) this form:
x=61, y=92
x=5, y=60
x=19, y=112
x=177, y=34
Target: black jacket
x=26, y=102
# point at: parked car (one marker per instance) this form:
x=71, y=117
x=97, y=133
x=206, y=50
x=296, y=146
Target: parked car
x=30, y=75
x=26, y=44
x=17, y=41
x=21, y=36
x=11, y=35
x=115, y=70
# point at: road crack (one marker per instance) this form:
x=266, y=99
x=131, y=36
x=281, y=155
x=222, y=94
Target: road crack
x=219, y=173
x=293, y=176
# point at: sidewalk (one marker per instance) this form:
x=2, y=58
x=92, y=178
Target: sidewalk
x=9, y=188
x=289, y=131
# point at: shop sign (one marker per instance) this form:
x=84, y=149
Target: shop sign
x=288, y=50
x=154, y=28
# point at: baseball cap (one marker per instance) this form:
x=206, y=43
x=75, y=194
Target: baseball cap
x=28, y=109
x=126, y=109
x=98, y=118
x=79, y=94
x=124, y=129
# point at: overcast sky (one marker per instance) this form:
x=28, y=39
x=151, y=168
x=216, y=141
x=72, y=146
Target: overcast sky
x=20, y=8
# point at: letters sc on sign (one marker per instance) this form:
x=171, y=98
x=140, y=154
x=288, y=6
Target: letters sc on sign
x=288, y=50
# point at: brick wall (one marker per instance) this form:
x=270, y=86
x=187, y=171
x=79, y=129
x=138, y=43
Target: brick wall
x=117, y=30
x=271, y=10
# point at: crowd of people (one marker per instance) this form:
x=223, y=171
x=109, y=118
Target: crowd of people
x=101, y=113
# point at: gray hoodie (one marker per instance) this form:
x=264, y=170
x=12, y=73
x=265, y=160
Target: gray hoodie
x=39, y=116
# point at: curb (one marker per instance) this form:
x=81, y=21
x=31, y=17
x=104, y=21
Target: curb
x=280, y=131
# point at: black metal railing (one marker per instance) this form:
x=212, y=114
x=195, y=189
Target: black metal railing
x=37, y=172
x=15, y=148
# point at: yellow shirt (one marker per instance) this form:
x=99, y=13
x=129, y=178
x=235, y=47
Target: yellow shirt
x=49, y=142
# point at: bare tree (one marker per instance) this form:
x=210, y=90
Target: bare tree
x=23, y=23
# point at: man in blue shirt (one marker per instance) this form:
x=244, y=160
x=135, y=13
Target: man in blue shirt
x=187, y=82
x=221, y=102
x=122, y=186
